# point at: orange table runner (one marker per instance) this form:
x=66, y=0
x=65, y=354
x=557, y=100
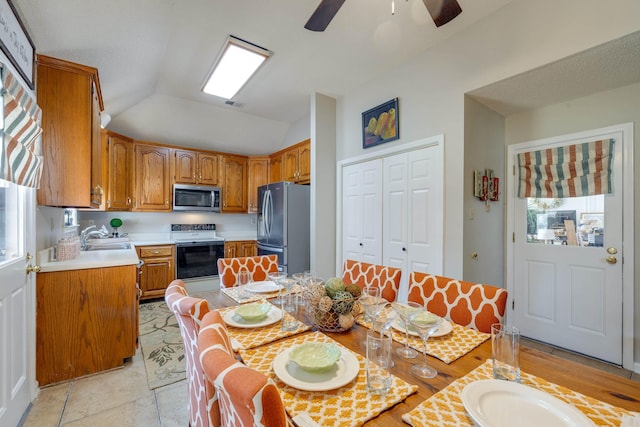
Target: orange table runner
x=445, y=408
x=245, y=338
x=446, y=348
x=349, y=406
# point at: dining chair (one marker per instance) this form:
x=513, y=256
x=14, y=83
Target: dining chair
x=259, y=267
x=468, y=304
x=189, y=312
x=245, y=396
x=364, y=274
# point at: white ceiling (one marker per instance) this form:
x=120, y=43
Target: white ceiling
x=153, y=56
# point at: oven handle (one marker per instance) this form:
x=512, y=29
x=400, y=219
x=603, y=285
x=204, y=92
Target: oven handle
x=191, y=244
x=270, y=248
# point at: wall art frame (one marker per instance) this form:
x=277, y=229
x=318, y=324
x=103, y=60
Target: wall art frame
x=380, y=124
x=16, y=43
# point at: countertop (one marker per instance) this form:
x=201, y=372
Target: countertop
x=114, y=258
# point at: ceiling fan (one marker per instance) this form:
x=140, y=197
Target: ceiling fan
x=441, y=11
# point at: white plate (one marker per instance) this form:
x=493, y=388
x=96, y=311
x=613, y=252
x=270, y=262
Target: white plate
x=262, y=287
x=232, y=319
x=345, y=370
x=444, y=329
x=498, y=403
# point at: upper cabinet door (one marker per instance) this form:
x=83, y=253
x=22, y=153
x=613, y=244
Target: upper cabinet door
x=152, y=178
x=275, y=168
x=304, y=162
x=185, y=166
x=208, y=169
x=119, y=182
x=234, y=184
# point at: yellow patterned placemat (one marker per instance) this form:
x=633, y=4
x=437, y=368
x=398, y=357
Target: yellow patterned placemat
x=446, y=348
x=347, y=406
x=445, y=408
x=235, y=293
x=245, y=338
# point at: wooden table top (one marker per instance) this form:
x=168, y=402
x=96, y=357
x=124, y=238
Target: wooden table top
x=601, y=385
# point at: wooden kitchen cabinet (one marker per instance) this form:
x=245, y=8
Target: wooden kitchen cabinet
x=258, y=175
x=233, y=176
x=152, y=178
x=119, y=152
x=296, y=163
x=158, y=269
x=85, y=321
x=240, y=248
x=275, y=168
x=195, y=167
x=71, y=102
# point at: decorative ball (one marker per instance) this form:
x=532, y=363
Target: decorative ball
x=342, y=302
x=333, y=285
x=354, y=290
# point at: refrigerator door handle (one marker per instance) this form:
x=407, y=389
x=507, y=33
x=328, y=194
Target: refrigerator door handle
x=265, y=212
x=270, y=248
x=270, y=211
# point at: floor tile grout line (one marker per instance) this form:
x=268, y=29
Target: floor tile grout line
x=64, y=406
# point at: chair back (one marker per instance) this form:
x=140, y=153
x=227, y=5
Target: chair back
x=364, y=274
x=246, y=397
x=189, y=312
x=468, y=304
x=259, y=267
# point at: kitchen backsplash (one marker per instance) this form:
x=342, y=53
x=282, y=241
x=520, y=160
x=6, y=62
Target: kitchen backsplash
x=50, y=222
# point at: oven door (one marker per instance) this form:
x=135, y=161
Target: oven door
x=198, y=259
x=279, y=251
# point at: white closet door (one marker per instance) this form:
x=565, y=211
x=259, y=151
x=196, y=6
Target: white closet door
x=361, y=212
x=413, y=215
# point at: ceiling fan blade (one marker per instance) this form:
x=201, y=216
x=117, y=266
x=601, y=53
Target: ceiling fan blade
x=323, y=15
x=442, y=11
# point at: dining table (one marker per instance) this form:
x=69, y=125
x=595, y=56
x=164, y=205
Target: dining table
x=597, y=384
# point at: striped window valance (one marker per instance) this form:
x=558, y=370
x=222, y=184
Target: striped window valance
x=570, y=171
x=20, y=158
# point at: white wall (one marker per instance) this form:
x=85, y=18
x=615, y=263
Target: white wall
x=484, y=224
x=521, y=36
x=299, y=131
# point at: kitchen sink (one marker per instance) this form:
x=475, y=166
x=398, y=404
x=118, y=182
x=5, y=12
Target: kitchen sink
x=108, y=247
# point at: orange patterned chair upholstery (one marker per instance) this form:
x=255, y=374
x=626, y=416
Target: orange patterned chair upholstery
x=189, y=311
x=259, y=267
x=468, y=304
x=246, y=397
x=364, y=274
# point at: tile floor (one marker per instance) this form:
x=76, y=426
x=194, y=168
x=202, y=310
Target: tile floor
x=121, y=397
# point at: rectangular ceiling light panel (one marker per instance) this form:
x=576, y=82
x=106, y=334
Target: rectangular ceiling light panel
x=236, y=64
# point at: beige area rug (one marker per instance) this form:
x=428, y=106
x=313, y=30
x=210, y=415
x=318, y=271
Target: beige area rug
x=161, y=345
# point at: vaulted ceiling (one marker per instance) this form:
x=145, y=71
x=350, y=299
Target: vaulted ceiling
x=153, y=57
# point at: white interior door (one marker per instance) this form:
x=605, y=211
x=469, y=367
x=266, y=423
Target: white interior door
x=17, y=304
x=361, y=212
x=571, y=295
x=412, y=212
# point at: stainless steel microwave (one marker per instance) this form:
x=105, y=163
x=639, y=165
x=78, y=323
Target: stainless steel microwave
x=196, y=198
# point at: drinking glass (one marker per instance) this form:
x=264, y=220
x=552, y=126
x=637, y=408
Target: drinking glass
x=289, y=307
x=426, y=324
x=243, y=279
x=383, y=322
x=276, y=277
x=403, y=311
x=372, y=302
x=303, y=281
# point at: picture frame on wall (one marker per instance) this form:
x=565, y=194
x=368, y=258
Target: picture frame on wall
x=16, y=43
x=380, y=124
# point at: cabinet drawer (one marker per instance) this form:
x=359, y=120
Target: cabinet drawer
x=156, y=251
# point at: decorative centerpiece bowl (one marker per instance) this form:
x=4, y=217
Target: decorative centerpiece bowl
x=315, y=356
x=332, y=306
x=253, y=312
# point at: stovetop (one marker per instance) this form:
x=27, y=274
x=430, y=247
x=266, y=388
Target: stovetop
x=194, y=233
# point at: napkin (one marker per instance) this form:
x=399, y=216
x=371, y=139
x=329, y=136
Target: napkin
x=630, y=420
x=304, y=420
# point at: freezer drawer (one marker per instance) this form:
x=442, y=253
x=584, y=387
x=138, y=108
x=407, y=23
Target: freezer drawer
x=280, y=252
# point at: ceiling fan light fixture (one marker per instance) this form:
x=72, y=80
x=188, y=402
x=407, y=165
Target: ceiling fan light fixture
x=236, y=64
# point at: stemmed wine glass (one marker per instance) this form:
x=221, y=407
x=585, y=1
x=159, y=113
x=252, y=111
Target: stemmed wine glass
x=304, y=281
x=403, y=311
x=372, y=302
x=426, y=324
x=277, y=277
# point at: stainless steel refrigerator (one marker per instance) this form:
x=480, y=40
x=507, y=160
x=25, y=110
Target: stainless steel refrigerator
x=283, y=224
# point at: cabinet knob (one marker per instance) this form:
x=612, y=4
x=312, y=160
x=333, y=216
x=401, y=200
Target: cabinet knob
x=128, y=201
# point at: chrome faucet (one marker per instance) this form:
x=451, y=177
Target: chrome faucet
x=88, y=232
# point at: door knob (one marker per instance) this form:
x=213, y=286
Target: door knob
x=33, y=268
x=611, y=259
x=612, y=251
